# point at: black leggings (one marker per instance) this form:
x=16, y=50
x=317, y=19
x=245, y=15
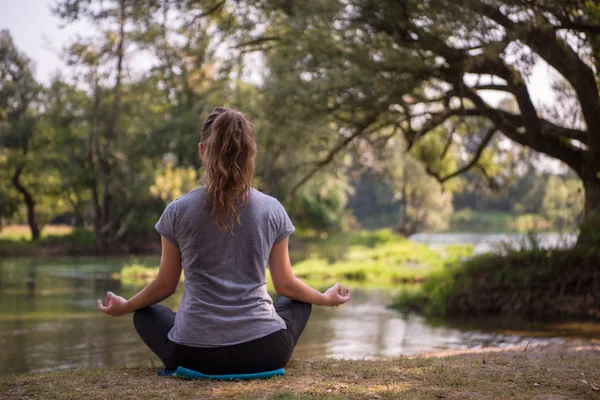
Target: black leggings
x=268, y=353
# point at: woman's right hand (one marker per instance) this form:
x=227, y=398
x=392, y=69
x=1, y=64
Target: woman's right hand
x=335, y=296
x=116, y=306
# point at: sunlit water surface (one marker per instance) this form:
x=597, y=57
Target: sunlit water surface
x=48, y=321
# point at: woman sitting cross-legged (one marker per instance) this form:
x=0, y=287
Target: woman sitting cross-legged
x=222, y=235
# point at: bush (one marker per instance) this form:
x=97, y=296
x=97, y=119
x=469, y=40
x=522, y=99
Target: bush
x=534, y=284
x=382, y=258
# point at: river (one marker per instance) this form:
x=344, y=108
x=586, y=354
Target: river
x=48, y=321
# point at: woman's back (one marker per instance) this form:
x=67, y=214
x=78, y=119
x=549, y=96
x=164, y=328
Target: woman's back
x=225, y=301
x=222, y=235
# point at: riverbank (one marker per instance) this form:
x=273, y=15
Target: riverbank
x=564, y=371
x=532, y=284
x=62, y=240
x=467, y=220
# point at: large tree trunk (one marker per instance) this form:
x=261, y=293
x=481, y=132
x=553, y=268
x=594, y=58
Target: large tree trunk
x=29, y=203
x=590, y=228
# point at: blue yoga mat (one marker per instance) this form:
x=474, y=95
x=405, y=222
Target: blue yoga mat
x=185, y=373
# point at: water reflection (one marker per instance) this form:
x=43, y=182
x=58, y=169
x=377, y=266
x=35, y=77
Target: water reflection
x=366, y=329
x=55, y=325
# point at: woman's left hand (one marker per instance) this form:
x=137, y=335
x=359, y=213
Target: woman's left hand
x=115, y=305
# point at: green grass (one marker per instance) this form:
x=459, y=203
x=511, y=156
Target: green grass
x=17, y=233
x=64, y=241
x=136, y=274
x=16, y=239
x=557, y=372
x=395, y=262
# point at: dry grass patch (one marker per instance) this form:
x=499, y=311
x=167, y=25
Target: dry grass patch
x=550, y=372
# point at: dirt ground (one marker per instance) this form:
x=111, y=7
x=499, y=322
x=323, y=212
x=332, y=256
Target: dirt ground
x=558, y=371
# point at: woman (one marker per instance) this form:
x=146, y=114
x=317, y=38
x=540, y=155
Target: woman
x=222, y=235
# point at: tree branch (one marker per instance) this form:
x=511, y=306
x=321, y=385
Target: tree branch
x=509, y=125
x=547, y=128
x=256, y=41
x=436, y=120
x=359, y=131
x=557, y=53
x=449, y=140
x=486, y=140
x=500, y=88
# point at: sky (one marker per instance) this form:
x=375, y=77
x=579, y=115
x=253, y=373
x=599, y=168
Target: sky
x=36, y=33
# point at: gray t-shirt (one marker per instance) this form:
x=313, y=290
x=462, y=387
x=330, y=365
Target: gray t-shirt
x=225, y=300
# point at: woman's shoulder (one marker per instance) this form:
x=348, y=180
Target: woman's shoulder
x=264, y=199
x=267, y=206
x=193, y=194
x=193, y=197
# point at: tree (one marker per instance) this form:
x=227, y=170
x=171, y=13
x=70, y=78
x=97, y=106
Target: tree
x=102, y=61
x=66, y=117
x=9, y=197
x=425, y=205
x=129, y=124
x=18, y=119
x=421, y=64
x=562, y=202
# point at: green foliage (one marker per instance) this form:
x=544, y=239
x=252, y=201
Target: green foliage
x=79, y=238
x=426, y=205
x=343, y=88
x=21, y=140
x=320, y=204
x=373, y=202
x=534, y=284
x=420, y=70
x=563, y=201
x=17, y=241
x=467, y=220
x=534, y=202
x=531, y=223
x=9, y=199
x=111, y=148
x=333, y=247
x=136, y=274
x=391, y=263
x=171, y=182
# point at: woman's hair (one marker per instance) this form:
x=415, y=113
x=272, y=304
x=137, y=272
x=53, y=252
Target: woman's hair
x=229, y=151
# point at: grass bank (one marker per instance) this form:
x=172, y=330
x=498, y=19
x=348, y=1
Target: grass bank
x=534, y=284
x=368, y=258
x=63, y=240
x=550, y=372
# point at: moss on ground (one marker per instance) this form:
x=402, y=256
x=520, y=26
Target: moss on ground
x=551, y=372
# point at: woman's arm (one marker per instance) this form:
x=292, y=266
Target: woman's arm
x=164, y=285
x=286, y=284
